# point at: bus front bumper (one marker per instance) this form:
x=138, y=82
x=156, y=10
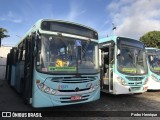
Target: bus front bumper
x=153, y=85
x=41, y=99
x=122, y=89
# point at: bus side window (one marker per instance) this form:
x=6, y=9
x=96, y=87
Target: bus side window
x=23, y=55
x=15, y=55
x=24, y=51
x=20, y=55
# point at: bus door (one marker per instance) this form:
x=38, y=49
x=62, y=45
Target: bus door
x=107, y=60
x=28, y=71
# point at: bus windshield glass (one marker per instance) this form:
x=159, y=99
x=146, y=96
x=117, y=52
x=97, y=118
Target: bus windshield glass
x=131, y=58
x=67, y=55
x=154, y=60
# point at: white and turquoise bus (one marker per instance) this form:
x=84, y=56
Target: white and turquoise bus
x=55, y=64
x=123, y=65
x=153, y=57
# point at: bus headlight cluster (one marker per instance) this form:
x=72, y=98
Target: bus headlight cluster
x=146, y=81
x=123, y=82
x=154, y=78
x=95, y=86
x=46, y=89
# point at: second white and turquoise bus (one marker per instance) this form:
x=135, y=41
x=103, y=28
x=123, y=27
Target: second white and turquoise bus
x=153, y=57
x=55, y=64
x=123, y=65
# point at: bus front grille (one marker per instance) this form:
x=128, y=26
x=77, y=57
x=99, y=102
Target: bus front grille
x=73, y=90
x=135, y=88
x=135, y=83
x=73, y=79
x=135, y=78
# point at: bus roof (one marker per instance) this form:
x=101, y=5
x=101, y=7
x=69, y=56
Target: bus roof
x=107, y=39
x=38, y=23
x=41, y=20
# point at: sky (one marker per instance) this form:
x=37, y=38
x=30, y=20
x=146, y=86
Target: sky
x=132, y=18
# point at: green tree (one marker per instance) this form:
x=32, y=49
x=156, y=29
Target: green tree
x=151, y=39
x=3, y=34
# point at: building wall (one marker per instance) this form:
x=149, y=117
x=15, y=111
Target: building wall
x=3, y=57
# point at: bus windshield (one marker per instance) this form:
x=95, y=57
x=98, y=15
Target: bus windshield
x=67, y=55
x=131, y=60
x=154, y=61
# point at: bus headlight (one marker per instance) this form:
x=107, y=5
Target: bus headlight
x=154, y=78
x=40, y=86
x=146, y=81
x=46, y=89
x=95, y=86
x=123, y=82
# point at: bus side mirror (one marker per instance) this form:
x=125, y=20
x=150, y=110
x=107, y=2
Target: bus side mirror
x=37, y=42
x=35, y=47
x=35, y=51
x=118, y=53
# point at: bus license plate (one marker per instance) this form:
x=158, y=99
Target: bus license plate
x=76, y=97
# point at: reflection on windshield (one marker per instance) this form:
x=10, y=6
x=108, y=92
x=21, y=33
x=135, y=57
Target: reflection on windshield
x=67, y=55
x=132, y=60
